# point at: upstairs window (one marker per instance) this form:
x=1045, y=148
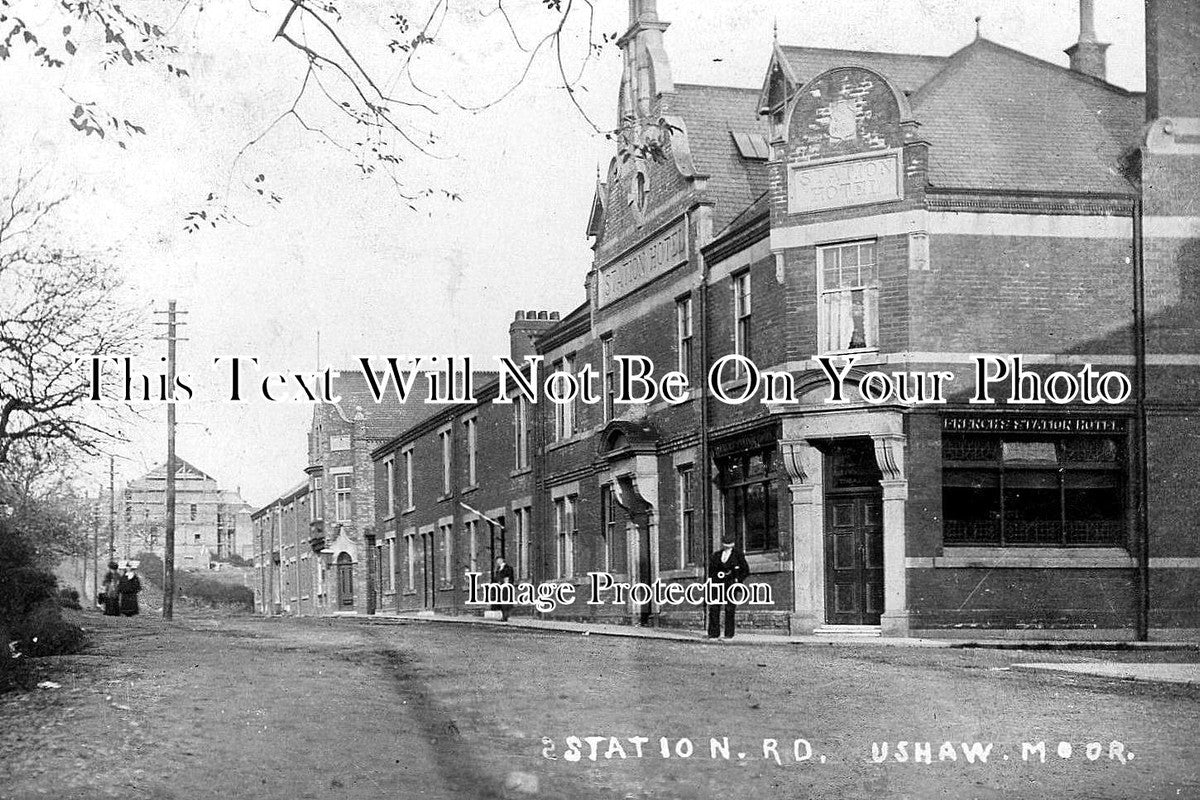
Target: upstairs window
x=318, y=494
x=683, y=334
x=472, y=448
x=389, y=477
x=341, y=497
x=606, y=356
x=741, y=316
x=446, y=442
x=848, y=285
x=408, y=478
x=564, y=412
x=521, y=434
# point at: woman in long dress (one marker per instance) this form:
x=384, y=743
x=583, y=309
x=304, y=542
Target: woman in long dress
x=111, y=595
x=128, y=588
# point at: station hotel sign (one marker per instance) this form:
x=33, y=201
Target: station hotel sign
x=662, y=253
x=1024, y=424
x=848, y=182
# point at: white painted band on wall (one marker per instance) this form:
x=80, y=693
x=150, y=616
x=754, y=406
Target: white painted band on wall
x=1029, y=359
x=890, y=224
x=1167, y=562
x=1057, y=226
x=1171, y=227
x=961, y=223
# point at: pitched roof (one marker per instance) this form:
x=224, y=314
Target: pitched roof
x=187, y=470
x=712, y=114
x=908, y=71
x=389, y=416
x=999, y=119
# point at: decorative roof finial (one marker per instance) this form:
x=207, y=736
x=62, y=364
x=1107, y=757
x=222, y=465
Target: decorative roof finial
x=978, y=20
x=775, y=30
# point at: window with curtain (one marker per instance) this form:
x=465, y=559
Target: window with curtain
x=848, y=284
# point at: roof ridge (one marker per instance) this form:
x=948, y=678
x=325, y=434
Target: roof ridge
x=863, y=52
x=687, y=85
x=1089, y=79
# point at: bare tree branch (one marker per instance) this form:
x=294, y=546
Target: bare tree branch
x=56, y=308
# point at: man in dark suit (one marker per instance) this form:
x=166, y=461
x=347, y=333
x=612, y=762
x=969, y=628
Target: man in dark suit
x=502, y=574
x=726, y=566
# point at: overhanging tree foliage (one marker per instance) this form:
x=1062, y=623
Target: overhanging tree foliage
x=359, y=92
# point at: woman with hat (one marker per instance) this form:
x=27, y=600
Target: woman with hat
x=111, y=596
x=128, y=587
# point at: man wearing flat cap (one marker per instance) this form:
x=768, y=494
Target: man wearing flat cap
x=726, y=566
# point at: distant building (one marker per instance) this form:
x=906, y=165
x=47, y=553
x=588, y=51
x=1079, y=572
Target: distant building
x=290, y=575
x=315, y=545
x=211, y=522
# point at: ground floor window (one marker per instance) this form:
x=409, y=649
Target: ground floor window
x=521, y=522
x=473, y=545
x=1013, y=490
x=612, y=522
x=565, y=534
x=446, y=543
x=410, y=546
x=746, y=481
x=389, y=564
x=689, y=546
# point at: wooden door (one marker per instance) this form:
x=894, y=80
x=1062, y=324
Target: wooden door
x=854, y=558
x=345, y=581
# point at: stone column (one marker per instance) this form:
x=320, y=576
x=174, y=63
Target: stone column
x=889, y=453
x=803, y=464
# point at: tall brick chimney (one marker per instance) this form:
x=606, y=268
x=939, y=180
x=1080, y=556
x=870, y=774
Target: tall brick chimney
x=525, y=329
x=1088, y=55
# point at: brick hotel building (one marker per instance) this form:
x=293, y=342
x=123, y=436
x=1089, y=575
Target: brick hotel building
x=905, y=212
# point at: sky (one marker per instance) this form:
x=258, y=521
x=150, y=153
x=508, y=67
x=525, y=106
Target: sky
x=342, y=258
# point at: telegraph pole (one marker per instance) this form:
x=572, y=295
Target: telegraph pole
x=169, y=544
x=96, y=545
x=112, y=512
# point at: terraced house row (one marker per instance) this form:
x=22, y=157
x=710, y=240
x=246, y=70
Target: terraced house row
x=971, y=282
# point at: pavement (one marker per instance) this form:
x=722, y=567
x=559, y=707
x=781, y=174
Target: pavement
x=1153, y=672
x=1187, y=674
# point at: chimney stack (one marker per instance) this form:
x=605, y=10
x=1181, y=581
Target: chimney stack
x=1088, y=55
x=525, y=329
x=1172, y=68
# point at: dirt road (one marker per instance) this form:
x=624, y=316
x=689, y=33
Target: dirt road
x=246, y=707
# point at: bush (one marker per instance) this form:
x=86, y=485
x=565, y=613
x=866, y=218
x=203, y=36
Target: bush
x=31, y=622
x=69, y=598
x=234, y=560
x=198, y=589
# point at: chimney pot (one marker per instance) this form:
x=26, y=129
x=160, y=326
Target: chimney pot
x=1088, y=55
